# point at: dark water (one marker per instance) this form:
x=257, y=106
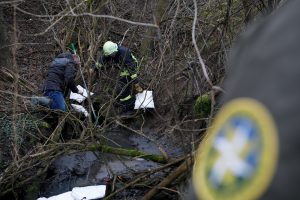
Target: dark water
x=92, y=168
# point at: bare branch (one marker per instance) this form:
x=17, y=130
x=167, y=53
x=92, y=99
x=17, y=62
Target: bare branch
x=11, y=2
x=196, y=47
x=198, y=52
x=119, y=19
x=71, y=13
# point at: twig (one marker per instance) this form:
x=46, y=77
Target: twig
x=196, y=46
x=117, y=18
x=11, y=2
x=22, y=43
x=61, y=16
x=143, y=176
x=171, y=177
x=163, y=152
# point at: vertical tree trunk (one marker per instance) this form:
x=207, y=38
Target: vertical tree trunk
x=147, y=44
x=4, y=50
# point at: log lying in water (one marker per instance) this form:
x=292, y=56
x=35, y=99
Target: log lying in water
x=127, y=152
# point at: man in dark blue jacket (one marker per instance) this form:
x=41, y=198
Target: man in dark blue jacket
x=60, y=78
x=128, y=74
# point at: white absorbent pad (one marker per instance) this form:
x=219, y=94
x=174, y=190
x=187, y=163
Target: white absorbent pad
x=79, y=193
x=63, y=196
x=89, y=192
x=78, y=97
x=144, y=100
x=80, y=109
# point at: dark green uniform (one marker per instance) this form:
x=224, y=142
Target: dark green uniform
x=260, y=147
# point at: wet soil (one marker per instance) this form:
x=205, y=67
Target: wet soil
x=93, y=168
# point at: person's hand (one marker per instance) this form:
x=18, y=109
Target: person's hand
x=138, y=88
x=76, y=59
x=98, y=65
x=91, y=70
x=80, y=92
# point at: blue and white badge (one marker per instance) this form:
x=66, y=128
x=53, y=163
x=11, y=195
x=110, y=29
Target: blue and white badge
x=238, y=156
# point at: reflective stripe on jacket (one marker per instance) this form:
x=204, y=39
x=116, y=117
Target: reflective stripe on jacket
x=126, y=61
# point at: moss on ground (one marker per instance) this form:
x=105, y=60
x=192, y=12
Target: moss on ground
x=202, y=106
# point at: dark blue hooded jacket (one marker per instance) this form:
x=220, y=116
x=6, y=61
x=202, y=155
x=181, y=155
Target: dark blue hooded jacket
x=61, y=74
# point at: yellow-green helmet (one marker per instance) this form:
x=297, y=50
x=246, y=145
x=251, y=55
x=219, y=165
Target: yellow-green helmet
x=109, y=48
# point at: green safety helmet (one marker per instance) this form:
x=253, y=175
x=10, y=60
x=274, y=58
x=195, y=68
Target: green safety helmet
x=109, y=48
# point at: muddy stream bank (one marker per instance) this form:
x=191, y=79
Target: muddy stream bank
x=94, y=168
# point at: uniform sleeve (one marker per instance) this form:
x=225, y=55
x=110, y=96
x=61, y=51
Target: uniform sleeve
x=70, y=73
x=98, y=65
x=131, y=65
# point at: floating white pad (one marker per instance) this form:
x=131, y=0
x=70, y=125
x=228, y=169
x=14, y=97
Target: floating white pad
x=63, y=196
x=80, y=109
x=79, y=193
x=78, y=97
x=89, y=192
x=144, y=100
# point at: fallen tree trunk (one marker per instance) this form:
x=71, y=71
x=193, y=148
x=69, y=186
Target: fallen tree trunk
x=42, y=160
x=127, y=152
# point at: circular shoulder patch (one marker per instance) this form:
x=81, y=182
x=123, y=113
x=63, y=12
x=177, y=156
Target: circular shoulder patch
x=238, y=156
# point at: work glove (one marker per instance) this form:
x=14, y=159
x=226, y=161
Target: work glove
x=80, y=91
x=138, y=88
x=98, y=65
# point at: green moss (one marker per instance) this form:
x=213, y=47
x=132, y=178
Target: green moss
x=93, y=147
x=202, y=105
x=127, y=152
x=44, y=125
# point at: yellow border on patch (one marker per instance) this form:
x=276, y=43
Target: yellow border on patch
x=264, y=120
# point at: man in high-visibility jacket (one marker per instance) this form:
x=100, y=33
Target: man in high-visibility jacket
x=128, y=82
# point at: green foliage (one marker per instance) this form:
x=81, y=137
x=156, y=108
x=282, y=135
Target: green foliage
x=22, y=124
x=202, y=105
x=32, y=190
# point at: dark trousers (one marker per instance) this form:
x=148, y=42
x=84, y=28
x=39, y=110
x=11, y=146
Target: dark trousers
x=126, y=98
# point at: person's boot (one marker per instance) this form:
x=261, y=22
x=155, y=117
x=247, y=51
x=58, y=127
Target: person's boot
x=127, y=114
x=43, y=101
x=127, y=111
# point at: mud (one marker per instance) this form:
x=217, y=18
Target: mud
x=91, y=168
